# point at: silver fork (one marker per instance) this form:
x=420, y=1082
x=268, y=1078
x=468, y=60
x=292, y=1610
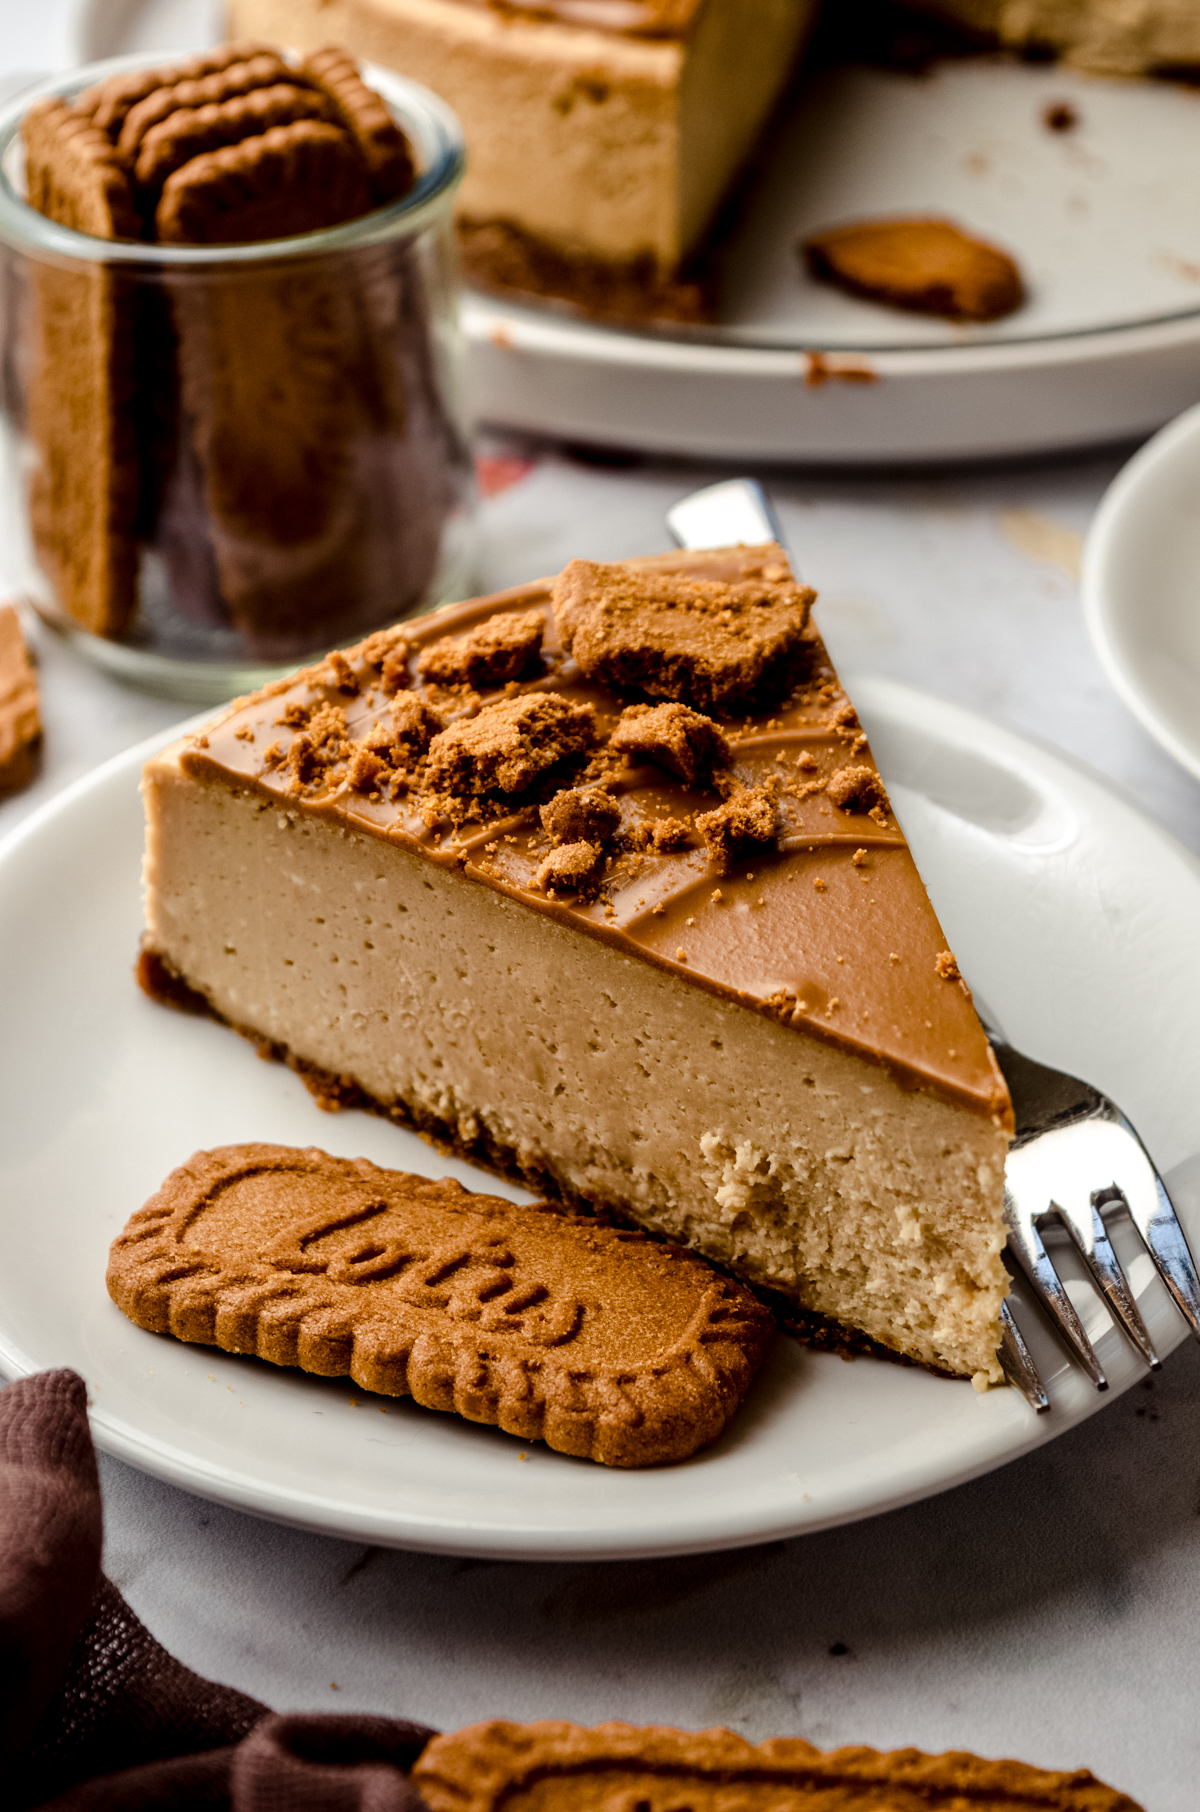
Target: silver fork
x=1075, y=1163
x=1068, y=1134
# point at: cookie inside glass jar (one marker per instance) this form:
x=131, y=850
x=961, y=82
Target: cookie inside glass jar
x=240, y=456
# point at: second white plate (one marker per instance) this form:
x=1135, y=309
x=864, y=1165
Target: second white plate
x=1141, y=587
x=1072, y=915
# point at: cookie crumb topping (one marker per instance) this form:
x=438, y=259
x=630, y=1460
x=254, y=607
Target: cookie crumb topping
x=414, y=724
x=581, y=814
x=571, y=868
x=502, y=649
x=744, y=823
x=708, y=643
x=856, y=789
x=507, y=745
x=684, y=742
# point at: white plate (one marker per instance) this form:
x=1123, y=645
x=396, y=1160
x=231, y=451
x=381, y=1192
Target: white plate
x=1141, y=587
x=1104, y=220
x=1071, y=914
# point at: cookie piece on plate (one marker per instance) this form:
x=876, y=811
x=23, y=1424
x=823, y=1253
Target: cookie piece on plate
x=930, y=267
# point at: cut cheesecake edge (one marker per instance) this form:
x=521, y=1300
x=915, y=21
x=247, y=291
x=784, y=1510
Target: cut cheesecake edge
x=858, y=1175
x=599, y=154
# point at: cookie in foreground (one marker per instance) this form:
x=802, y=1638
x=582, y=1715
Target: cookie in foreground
x=555, y=1766
x=554, y=1327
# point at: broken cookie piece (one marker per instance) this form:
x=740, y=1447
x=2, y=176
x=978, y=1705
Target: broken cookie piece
x=710, y=643
x=856, y=789
x=929, y=266
x=508, y=744
x=581, y=815
x=572, y=867
x=746, y=822
x=498, y=651
x=662, y=835
x=684, y=742
x=414, y=725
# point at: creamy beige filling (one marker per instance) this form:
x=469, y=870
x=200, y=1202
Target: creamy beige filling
x=795, y=1163
x=605, y=146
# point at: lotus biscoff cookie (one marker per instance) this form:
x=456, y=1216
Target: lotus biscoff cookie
x=560, y=1767
x=275, y=380
x=554, y=1327
x=82, y=387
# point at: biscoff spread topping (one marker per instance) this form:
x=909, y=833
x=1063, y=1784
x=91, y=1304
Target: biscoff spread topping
x=714, y=644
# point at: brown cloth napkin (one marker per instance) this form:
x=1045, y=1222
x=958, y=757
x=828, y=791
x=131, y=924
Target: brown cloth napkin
x=95, y=1715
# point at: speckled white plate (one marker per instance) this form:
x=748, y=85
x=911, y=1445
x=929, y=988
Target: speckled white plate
x=1071, y=915
x=1141, y=587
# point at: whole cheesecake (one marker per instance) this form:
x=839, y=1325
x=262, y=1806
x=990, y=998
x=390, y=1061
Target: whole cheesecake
x=605, y=134
x=595, y=882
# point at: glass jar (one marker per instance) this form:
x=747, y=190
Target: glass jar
x=220, y=461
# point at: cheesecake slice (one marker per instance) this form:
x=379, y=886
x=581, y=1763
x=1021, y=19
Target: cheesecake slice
x=596, y=883
x=603, y=134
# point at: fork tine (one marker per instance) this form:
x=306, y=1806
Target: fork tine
x=1025, y=1243
x=1097, y=1251
x=1154, y=1217
x=1017, y=1363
